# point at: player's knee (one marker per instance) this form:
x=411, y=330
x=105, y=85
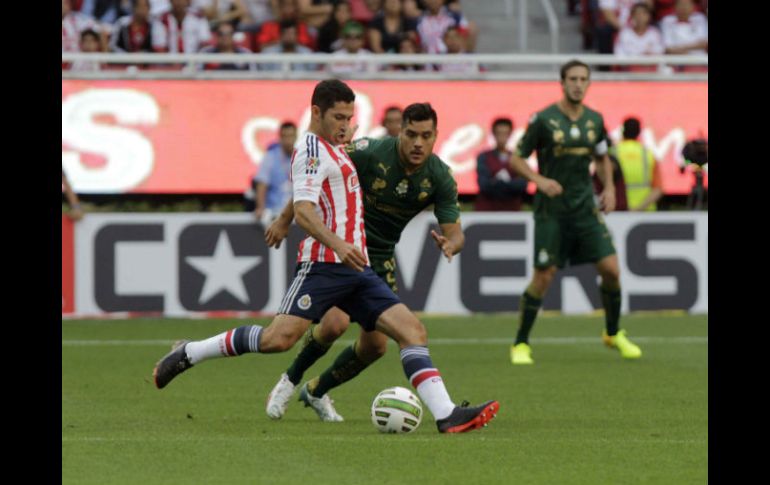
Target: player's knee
x=543, y=279
x=332, y=328
x=416, y=334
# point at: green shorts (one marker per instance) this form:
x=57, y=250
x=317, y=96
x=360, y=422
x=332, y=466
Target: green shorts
x=385, y=267
x=571, y=240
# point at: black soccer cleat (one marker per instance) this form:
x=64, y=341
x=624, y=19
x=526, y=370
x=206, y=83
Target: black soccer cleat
x=173, y=364
x=464, y=418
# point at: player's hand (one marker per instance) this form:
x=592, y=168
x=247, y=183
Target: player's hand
x=258, y=213
x=276, y=233
x=607, y=200
x=549, y=187
x=351, y=256
x=445, y=245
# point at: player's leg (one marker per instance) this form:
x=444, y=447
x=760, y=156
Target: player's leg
x=609, y=270
x=318, y=340
x=596, y=246
x=399, y=323
x=548, y=248
x=279, y=336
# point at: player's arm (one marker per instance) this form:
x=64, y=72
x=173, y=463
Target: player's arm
x=518, y=163
x=279, y=228
x=603, y=166
x=308, y=219
x=451, y=240
x=655, y=193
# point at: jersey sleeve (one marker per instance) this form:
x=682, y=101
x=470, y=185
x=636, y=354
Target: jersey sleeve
x=308, y=171
x=529, y=142
x=446, y=208
x=360, y=152
x=601, y=146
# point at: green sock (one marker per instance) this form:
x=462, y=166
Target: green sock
x=611, y=301
x=311, y=351
x=346, y=366
x=528, y=308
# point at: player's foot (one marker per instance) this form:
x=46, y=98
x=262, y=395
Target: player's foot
x=627, y=349
x=321, y=405
x=278, y=399
x=521, y=354
x=173, y=364
x=464, y=418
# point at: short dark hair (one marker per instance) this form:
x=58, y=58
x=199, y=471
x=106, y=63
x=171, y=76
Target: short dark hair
x=287, y=24
x=89, y=33
x=419, y=112
x=450, y=28
x=631, y=128
x=502, y=121
x=287, y=124
x=643, y=5
x=329, y=92
x=573, y=63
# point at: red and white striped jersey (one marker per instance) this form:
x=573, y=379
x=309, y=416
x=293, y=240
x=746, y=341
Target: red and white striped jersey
x=169, y=36
x=325, y=175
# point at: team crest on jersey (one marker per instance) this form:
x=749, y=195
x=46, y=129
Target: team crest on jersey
x=542, y=256
x=574, y=132
x=379, y=184
x=402, y=187
x=304, y=302
x=362, y=144
x=422, y=196
x=353, y=182
x=591, y=135
x=311, y=165
x=383, y=168
x=425, y=184
x=558, y=136
x=590, y=124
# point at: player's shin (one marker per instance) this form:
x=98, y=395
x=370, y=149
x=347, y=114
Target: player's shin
x=611, y=300
x=346, y=366
x=232, y=343
x=426, y=379
x=312, y=350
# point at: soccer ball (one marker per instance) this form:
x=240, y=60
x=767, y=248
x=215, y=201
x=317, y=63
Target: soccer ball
x=396, y=410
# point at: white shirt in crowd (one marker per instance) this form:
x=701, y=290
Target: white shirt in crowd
x=677, y=33
x=629, y=43
x=167, y=34
x=622, y=9
x=348, y=67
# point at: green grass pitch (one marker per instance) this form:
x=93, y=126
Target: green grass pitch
x=580, y=415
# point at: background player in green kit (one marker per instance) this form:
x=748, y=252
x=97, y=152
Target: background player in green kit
x=400, y=176
x=569, y=228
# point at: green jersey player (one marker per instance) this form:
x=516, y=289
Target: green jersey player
x=400, y=177
x=569, y=228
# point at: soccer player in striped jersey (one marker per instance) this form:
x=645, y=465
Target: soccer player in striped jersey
x=333, y=270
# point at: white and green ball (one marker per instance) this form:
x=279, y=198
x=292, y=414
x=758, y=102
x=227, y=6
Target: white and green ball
x=396, y=410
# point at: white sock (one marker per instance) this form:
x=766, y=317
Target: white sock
x=232, y=343
x=434, y=394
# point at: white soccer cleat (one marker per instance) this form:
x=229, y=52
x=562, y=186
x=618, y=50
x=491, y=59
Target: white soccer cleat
x=278, y=399
x=321, y=405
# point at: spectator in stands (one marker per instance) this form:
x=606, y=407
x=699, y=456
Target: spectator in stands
x=76, y=212
x=72, y=24
x=391, y=120
x=226, y=45
x=133, y=33
x=661, y=8
x=257, y=13
x=329, y=36
x=455, y=44
x=613, y=16
x=271, y=187
x=408, y=46
x=686, y=31
x=219, y=11
x=106, y=11
x=640, y=38
x=411, y=10
x=270, y=32
x=640, y=172
x=433, y=23
x=89, y=42
x=352, y=44
x=364, y=10
x=288, y=45
x=179, y=30
x=389, y=26
x=315, y=12
x=500, y=188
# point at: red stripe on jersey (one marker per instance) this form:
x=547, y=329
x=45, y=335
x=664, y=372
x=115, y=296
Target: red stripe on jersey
x=329, y=256
x=327, y=213
x=228, y=343
x=350, y=198
x=423, y=376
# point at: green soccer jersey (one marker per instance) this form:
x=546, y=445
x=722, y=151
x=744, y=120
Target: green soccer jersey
x=565, y=148
x=392, y=198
